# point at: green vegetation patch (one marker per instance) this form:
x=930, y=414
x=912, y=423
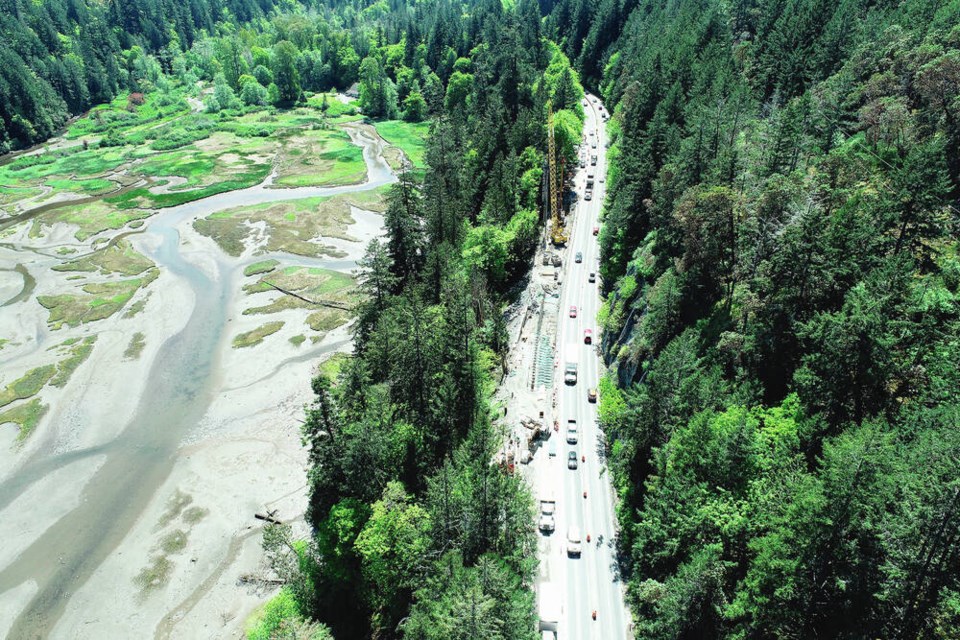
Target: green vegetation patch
x=409, y=137
x=117, y=257
x=174, y=542
x=154, y=575
x=76, y=355
x=327, y=319
x=29, y=384
x=216, y=164
x=264, y=266
x=26, y=416
x=193, y=515
x=255, y=337
x=94, y=217
x=334, y=111
x=291, y=226
x=158, y=107
x=135, y=348
x=136, y=307
x=90, y=187
x=320, y=158
x=100, y=300
x=298, y=340
x=175, y=506
x=279, y=616
x=331, y=366
x=11, y=195
x=74, y=163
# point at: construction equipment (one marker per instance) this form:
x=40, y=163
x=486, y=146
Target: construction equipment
x=558, y=235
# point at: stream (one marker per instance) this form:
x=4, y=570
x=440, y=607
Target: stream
x=181, y=384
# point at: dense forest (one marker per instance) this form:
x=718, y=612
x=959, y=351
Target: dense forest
x=780, y=259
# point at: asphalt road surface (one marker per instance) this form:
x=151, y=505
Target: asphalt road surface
x=589, y=582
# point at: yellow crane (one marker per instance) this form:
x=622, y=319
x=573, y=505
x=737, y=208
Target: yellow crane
x=558, y=235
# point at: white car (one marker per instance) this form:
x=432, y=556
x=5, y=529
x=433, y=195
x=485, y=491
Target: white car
x=573, y=542
x=572, y=432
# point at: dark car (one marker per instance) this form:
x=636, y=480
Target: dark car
x=572, y=460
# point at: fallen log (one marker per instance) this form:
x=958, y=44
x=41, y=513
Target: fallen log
x=267, y=518
x=320, y=303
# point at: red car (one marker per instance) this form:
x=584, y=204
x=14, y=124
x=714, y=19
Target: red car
x=573, y=311
x=596, y=231
x=587, y=336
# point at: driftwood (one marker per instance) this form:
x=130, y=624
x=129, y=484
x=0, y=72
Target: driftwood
x=320, y=303
x=252, y=579
x=268, y=517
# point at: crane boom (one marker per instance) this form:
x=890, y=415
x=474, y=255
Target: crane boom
x=558, y=235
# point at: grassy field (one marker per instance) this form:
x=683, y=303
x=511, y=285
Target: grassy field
x=320, y=158
x=409, y=137
x=255, y=337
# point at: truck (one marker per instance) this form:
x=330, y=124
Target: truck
x=570, y=367
x=549, y=607
x=548, y=507
x=588, y=193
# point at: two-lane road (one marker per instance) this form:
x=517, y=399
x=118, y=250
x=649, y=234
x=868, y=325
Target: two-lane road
x=592, y=580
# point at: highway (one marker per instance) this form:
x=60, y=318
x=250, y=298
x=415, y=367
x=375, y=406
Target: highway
x=590, y=581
